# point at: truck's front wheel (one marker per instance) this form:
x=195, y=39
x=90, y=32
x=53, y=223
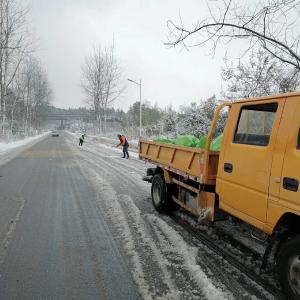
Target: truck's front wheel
x=289, y=267
x=161, y=198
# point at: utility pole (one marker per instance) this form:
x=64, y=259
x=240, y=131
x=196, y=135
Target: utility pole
x=140, y=85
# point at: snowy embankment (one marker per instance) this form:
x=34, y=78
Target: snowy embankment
x=9, y=150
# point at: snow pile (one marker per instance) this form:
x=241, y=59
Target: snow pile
x=6, y=147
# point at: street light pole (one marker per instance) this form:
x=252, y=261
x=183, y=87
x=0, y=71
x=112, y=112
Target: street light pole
x=140, y=108
x=140, y=85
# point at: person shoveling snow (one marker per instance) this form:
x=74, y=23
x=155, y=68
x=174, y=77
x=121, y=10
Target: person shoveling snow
x=124, y=143
x=81, y=139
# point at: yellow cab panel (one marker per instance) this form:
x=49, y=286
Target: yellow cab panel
x=246, y=158
x=287, y=170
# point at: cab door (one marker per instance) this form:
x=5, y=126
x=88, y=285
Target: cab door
x=290, y=178
x=247, y=159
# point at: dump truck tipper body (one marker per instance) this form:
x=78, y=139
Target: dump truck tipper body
x=254, y=177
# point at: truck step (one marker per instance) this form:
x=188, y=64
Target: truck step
x=147, y=178
x=220, y=215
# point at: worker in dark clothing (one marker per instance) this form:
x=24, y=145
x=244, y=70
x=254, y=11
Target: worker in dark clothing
x=124, y=143
x=81, y=139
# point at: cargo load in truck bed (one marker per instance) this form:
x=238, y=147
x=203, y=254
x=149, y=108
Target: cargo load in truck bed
x=196, y=164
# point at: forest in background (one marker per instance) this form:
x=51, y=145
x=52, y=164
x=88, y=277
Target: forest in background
x=25, y=91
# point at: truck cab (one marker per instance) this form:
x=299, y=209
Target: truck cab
x=254, y=177
x=258, y=174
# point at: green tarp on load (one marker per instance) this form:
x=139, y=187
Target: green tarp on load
x=216, y=143
x=163, y=140
x=186, y=140
x=192, y=141
x=202, y=142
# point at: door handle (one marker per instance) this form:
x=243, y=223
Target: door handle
x=290, y=184
x=228, y=167
x=277, y=179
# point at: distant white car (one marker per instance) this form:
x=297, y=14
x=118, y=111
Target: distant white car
x=55, y=133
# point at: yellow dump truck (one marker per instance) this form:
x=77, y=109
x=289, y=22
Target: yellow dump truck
x=254, y=177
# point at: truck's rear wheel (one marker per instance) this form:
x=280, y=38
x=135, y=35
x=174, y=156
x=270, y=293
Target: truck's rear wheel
x=161, y=195
x=288, y=261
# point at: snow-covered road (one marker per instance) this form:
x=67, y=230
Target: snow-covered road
x=164, y=260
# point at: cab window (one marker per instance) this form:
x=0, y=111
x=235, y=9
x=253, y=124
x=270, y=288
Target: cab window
x=255, y=124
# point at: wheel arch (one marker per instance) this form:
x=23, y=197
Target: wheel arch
x=287, y=226
x=288, y=222
x=159, y=170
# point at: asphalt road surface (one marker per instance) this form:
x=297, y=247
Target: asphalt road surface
x=55, y=241
x=78, y=223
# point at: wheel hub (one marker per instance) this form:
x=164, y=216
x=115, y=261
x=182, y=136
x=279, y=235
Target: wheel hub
x=157, y=194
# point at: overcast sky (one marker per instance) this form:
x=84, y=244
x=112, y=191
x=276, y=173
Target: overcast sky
x=68, y=30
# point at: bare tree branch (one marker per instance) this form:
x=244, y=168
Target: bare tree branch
x=274, y=24
x=101, y=76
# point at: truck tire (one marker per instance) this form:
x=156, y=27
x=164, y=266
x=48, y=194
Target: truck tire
x=288, y=267
x=161, y=195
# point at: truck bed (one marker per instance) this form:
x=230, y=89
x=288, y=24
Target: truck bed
x=193, y=163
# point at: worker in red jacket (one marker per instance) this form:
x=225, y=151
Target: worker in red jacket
x=124, y=143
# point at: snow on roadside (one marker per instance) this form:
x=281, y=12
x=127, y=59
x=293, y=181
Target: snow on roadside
x=6, y=147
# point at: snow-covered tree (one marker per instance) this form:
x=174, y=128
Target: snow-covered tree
x=261, y=75
x=195, y=119
x=169, y=121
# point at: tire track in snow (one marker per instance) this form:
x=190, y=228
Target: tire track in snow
x=140, y=224
x=122, y=174
x=189, y=256
x=121, y=162
x=171, y=239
